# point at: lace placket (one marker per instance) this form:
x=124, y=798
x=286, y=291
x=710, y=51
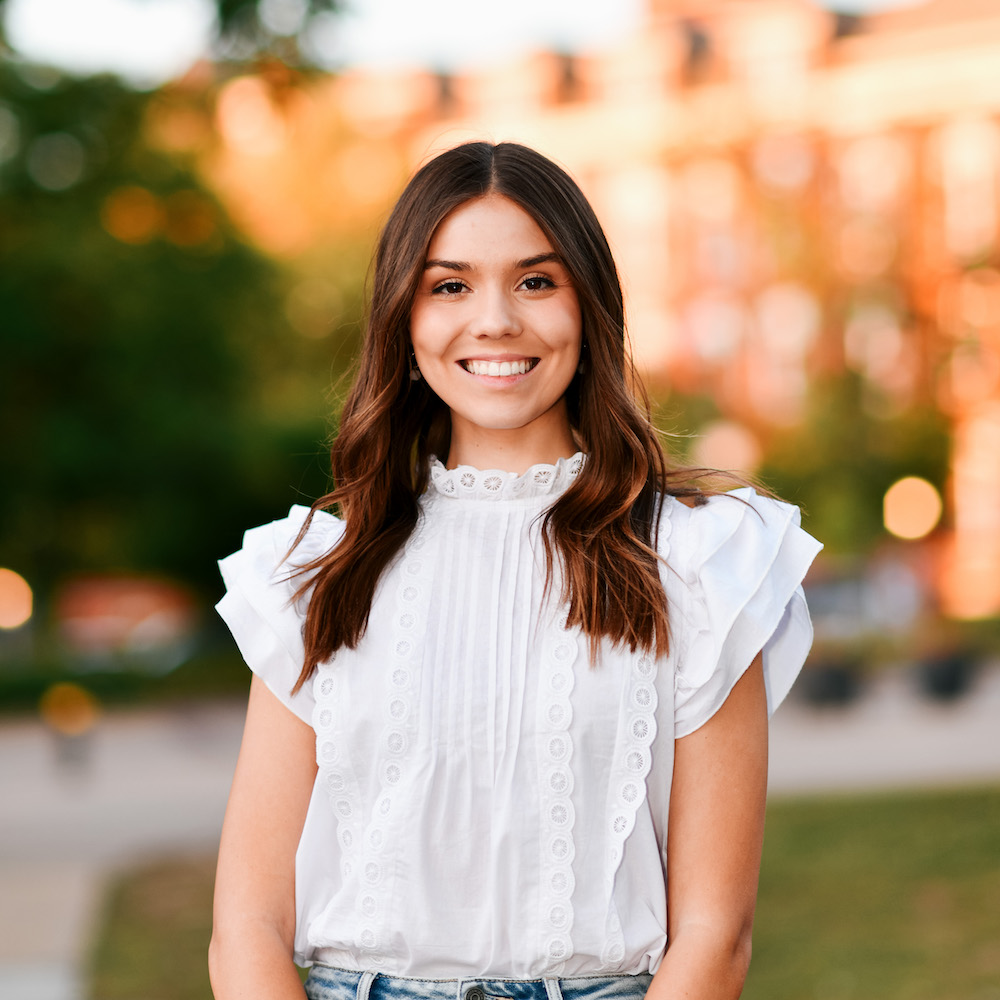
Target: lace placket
x=338, y=774
x=365, y=841
x=627, y=786
x=555, y=778
x=398, y=734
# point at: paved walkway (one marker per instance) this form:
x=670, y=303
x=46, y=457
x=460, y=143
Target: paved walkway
x=891, y=737
x=148, y=783
x=151, y=783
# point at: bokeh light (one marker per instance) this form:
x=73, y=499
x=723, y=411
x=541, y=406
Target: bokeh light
x=725, y=444
x=15, y=599
x=911, y=508
x=132, y=214
x=784, y=162
x=69, y=709
x=56, y=161
x=247, y=118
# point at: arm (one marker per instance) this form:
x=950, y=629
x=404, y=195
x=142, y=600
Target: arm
x=250, y=955
x=714, y=839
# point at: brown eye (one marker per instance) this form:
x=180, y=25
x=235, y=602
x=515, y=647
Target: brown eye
x=537, y=283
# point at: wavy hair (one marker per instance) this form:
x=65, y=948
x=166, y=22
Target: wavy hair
x=602, y=530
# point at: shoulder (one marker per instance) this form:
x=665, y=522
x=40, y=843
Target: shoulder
x=740, y=525
x=259, y=605
x=734, y=567
x=324, y=530
x=270, y=548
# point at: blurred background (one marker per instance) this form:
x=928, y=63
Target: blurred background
x=804, y=201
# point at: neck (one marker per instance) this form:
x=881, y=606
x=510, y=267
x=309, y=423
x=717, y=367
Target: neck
x=513, y=450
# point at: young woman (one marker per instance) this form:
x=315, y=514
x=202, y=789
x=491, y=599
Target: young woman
x=507, y=733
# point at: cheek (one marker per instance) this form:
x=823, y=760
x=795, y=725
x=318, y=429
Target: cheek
x=570, y=328
x=422, y=330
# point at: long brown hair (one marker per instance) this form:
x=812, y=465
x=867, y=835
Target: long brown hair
x=603, y=528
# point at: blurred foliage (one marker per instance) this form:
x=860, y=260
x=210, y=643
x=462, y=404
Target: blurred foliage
x=678, y=417
x=151, y=391
x=838, y=464
x=250, y=29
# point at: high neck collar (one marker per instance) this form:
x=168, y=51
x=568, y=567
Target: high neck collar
x=468, y=483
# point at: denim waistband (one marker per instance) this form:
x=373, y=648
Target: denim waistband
x=328, y=983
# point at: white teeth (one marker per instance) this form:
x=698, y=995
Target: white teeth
x=499, y=368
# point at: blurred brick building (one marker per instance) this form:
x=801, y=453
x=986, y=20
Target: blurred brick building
x=788, y=191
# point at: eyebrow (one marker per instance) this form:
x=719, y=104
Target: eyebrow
x=461, y=265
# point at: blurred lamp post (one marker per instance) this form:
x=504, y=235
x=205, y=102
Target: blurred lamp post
x=71, y=713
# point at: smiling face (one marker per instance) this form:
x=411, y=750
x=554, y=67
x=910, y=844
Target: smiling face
x=496, y=331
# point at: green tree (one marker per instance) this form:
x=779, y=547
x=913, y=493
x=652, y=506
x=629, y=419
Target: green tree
x=141, y=340
x=250, y=29
x=840, y=461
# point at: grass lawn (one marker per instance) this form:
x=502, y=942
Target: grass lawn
x=862, y=898
x=880, y=898
x=154, y=942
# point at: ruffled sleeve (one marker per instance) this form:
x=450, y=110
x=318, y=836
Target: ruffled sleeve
x=741, y=559
x=258, y=606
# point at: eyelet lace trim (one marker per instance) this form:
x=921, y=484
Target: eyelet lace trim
x=336, y=770
x=467, y=483
x=555, y=778
x=627, y=786
x=364, y=843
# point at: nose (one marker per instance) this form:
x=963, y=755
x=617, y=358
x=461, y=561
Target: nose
x=495, y=315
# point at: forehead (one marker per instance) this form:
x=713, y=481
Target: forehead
x=491, y=224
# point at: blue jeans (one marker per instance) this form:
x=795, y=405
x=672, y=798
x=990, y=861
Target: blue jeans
x=327, y=983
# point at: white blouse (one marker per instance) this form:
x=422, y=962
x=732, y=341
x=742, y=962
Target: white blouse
x=488, y=803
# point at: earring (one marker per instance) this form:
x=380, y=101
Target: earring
x=415, y=375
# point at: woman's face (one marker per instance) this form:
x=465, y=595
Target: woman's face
x=496, y=332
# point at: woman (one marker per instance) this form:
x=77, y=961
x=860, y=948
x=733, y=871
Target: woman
x=507, y=733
